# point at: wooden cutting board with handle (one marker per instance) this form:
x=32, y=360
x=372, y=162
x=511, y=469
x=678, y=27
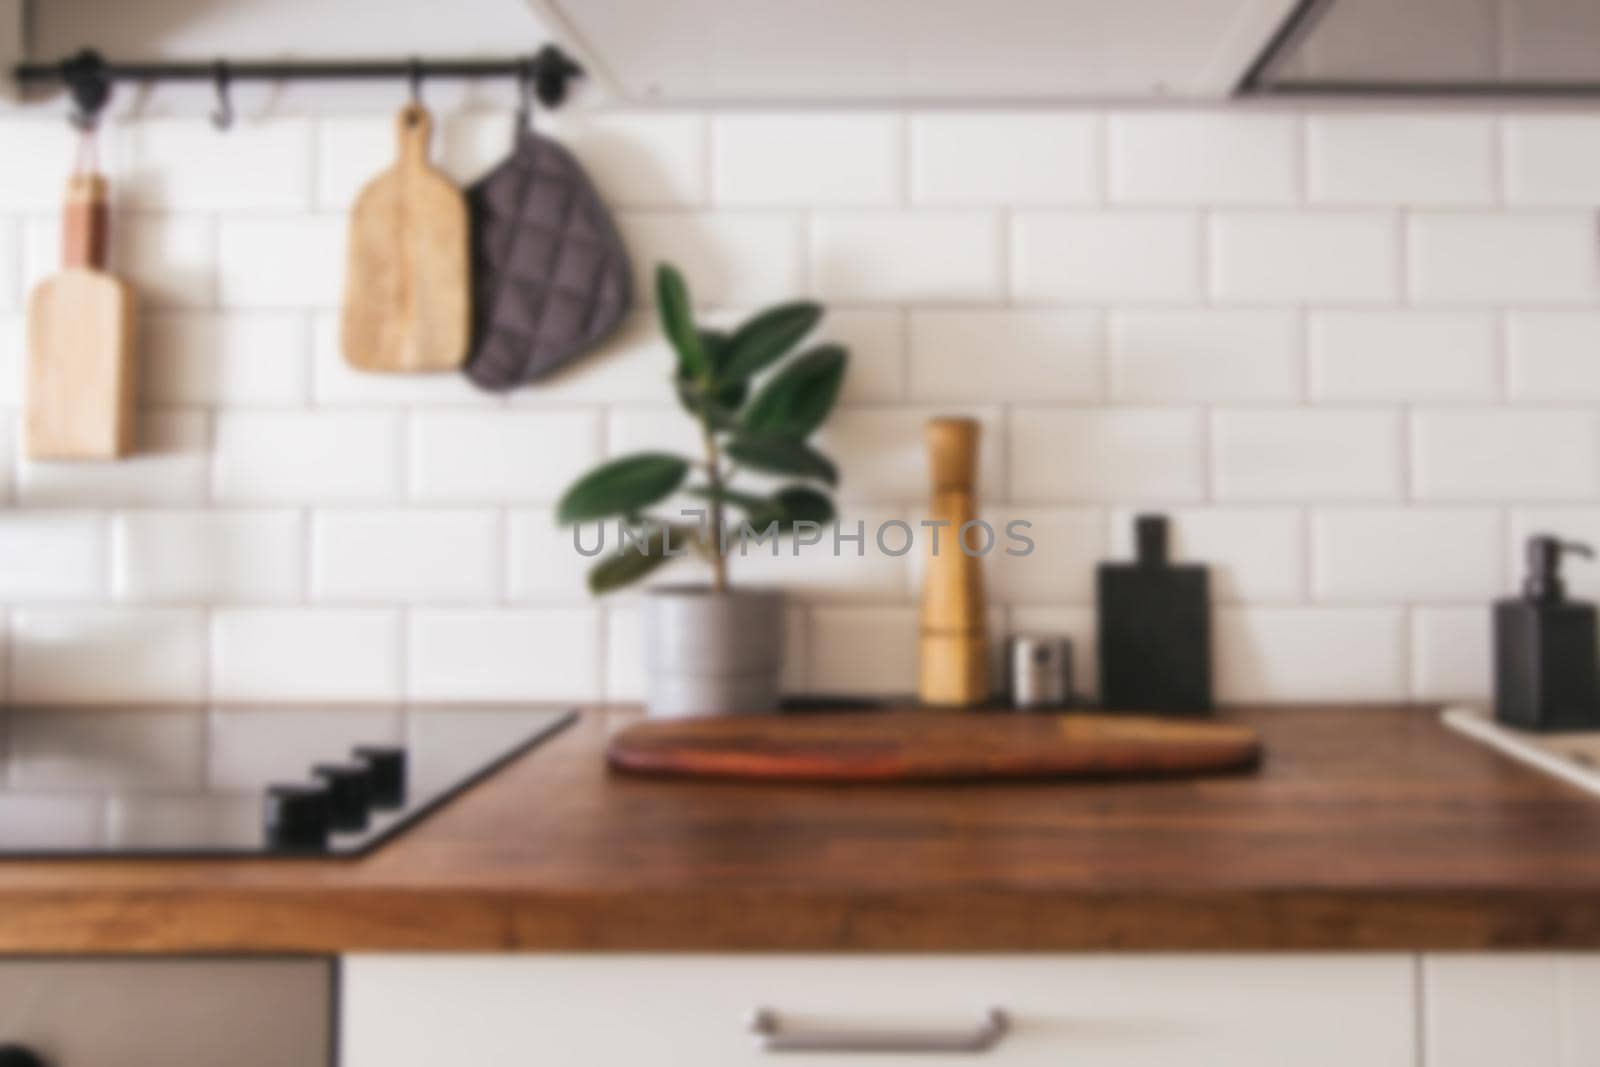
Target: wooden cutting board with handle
x=927, y=746
x=407, y=288
x=80, y=341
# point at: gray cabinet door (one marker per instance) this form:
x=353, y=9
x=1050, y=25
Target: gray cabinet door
x=169, y=1013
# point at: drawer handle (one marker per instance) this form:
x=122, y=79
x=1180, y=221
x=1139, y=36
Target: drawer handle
x=773, y=1036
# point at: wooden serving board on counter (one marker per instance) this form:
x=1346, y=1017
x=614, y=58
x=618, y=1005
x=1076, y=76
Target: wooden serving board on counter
x=931, y=746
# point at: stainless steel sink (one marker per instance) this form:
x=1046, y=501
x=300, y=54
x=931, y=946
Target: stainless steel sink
x=1571, y=757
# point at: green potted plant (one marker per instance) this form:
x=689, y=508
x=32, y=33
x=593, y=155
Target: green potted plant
x=711, y=648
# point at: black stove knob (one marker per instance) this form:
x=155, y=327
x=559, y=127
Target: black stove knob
x=297, y=816
x=20, y=1056
x=388, y=766
x=349, y=793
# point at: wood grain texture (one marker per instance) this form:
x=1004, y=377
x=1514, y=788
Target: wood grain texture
x=953, y=645
x=1365, y=828
x=407, y=288
x=80, y=380
x=930, y=746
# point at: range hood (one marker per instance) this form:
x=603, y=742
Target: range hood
x=1435, y=47
x=765, y=51
x=846, y=51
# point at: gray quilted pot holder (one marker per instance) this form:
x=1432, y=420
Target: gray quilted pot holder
x=550, y=275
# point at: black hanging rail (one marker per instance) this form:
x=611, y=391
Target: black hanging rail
x=90, y=77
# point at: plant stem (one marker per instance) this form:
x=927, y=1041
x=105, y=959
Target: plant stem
x=719, y=561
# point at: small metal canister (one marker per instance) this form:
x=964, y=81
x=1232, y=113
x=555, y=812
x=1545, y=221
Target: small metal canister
x=1039, y=670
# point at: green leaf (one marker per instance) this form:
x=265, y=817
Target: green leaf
x=764, y=339
x=797, y=399
x=747, y=502
x=714, y=343
x=622, y=486
x=790, y=506
x=628, y=565
x=730, y=393
x=801, y=503
x=677, y=321
x=717, y=404
x=731, y=396
x=722, y=416
x=777, y=454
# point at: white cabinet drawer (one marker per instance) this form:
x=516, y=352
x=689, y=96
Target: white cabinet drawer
x=693, y=1011
x=1531, y=1010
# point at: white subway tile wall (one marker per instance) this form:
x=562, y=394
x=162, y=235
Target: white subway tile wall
x=299, y=654
x=1452, y=657
x=1311, y=654
x=1298, y=256
x=1506, y=455
x=1073, y=257
x=836, y=160
x=1191, y=357
x=11, y=266
x=432, y=556
x=1203, y=159
x=25, y=186
x=1039, y=355
x=1551, y=356
x=265, y=262
x=1354, y=354
x=1552, y=159
x=1534, y=257
x=988, y=157
x=1304, y=455
x=1374, y=356
x=488, y=457
x=735, y=257
x=108, y=655
x=1359, y=158
x=204, y=359
x=238, y=555
x=489, y=655
x=907, y=256
x=1374, y=555
x=168, y=467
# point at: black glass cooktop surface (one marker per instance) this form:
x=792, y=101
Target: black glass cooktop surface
x=236, y=782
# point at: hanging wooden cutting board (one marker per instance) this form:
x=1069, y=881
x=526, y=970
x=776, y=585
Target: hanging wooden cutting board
x=80, y=342
x=927, y=746
x=406, y=300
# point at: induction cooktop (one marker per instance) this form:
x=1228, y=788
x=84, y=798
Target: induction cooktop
x=271, y=782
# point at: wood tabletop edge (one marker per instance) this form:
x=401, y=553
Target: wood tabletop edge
x=1365, y=829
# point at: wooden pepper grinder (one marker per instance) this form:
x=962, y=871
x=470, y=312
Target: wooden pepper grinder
x=954, y=645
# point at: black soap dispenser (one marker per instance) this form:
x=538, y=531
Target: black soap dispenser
x=1155, y=629
x=1545, y=648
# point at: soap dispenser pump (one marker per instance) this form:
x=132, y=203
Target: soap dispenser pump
x=1545, y=648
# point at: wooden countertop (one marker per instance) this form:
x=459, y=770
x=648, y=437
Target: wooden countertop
x=1366, y=828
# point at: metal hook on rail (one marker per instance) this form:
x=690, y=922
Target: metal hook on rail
x=89, y=83
x=414, y=80
x=222, y=117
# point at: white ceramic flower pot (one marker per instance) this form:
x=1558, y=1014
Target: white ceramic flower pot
x=709, y=653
